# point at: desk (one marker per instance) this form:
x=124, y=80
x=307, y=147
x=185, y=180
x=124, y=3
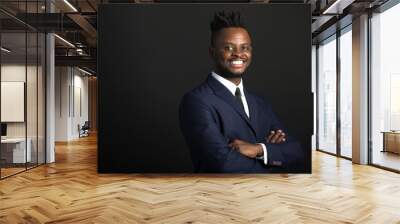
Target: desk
x=15, y=148
x=391, y=141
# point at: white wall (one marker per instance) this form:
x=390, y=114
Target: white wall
x=33, y=126
x=71, y=102
x=81, y=96
x=62, y=81
x=16, y=73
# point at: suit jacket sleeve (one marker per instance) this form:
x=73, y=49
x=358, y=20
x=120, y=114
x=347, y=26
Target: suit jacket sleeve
x=287, y=155
x=209, y=148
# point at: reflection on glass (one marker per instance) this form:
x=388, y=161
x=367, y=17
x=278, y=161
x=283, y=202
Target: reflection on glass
x=346, y=94
x=327, y=96
x=385, y=99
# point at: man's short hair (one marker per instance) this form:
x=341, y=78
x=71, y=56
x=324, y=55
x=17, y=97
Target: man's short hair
x=223, y=20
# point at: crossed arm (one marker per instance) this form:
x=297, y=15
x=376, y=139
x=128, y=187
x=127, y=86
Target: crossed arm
x=211, y=151
x=256, y=150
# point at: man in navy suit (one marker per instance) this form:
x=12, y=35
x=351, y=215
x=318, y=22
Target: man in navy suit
x=227, y=128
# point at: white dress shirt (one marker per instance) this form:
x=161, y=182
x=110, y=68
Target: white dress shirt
x=232, y=88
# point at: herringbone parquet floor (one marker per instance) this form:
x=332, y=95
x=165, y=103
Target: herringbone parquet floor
x=71, y=191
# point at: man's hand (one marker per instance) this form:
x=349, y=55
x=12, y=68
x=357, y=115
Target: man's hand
x=276, y=137
x=247, y=149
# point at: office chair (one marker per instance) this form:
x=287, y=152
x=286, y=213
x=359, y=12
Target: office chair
x=84, y=130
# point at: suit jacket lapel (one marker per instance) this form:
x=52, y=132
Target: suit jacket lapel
x=222, y=92
x=251, y=102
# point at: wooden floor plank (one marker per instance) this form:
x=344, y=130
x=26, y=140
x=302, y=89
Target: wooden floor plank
x=71, y=191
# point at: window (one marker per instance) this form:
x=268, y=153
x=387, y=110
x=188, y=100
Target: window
x=327, y=95
x=385, y=88
x=346, y=93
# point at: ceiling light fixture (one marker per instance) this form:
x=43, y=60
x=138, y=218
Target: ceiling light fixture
x=64, y=40
x=329, y=9
x=5, y=50
x=70, y=5
x=84, y=71
x=337, y=7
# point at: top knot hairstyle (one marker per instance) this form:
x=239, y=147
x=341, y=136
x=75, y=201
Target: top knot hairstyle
x=224, y=20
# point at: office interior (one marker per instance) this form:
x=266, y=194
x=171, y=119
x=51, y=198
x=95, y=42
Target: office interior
x=49, y=85
x=47, y=81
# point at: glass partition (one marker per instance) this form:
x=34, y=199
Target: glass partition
x=22, y=88
x=14, y=153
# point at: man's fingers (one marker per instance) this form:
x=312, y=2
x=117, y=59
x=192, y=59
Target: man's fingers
x=281, y=138
x=270, y=136
x=239, y=142
x=235, y=143
x=276, y=137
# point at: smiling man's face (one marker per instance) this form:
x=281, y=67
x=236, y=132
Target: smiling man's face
x=231, y=51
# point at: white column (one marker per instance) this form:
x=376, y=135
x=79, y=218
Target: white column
x=50, y=92
x=360, y=90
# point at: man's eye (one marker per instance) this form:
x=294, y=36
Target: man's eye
x=246, y=48
x=228, y=48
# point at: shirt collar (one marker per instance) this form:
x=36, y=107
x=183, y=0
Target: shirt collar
x=228, y=84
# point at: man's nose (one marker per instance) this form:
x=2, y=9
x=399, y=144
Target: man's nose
x=237, y=52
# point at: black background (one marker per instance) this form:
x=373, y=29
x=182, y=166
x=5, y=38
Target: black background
x=151, y=54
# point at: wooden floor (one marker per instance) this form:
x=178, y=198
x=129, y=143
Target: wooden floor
x=5, y=172
x=71, y=191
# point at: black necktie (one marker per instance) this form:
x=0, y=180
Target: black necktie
x=238, y=96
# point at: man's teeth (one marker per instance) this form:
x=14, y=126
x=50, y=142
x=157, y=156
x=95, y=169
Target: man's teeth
x=238, y=62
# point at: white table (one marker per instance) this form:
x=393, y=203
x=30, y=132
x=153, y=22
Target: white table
x=19, y=154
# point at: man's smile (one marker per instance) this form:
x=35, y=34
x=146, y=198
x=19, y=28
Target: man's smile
x=237, y=63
